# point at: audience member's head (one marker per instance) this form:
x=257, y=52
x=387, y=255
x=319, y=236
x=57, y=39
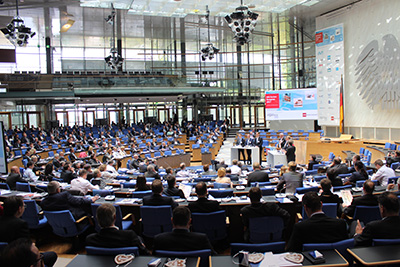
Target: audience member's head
x=150, y=168
x=182, y=166
x=13, y=206
x=30, y=164
x=103, y=167
x=21, y=253
x=15, y=169
x=181, y=217
x=105, y=215
x=358, y=165
x=312, y=203
x=313, y=157
x=326, y=184
x=221, y=172
x=284, y=169
x=169, y=170
x=83, y=173
x=369, y=187
x=331, y=174
x=356, y=158
x=201, y=189
x=171, y=181
x=292, y=166
x=157, y=187
x=378, y=163
x=206, y=168
x=337, y=161
x=53, y=187
x=96, y=173
x=256, y=165
x=255, y=194
x=389, y=204
x=141, y=181
x=234, y=162
x=228, y=170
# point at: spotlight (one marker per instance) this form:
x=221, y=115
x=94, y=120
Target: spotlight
x=242, y=22
x=114, y=61
x=110, y=18
x=208, y=52
x=17, y=33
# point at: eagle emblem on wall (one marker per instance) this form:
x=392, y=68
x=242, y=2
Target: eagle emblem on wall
x=378, y=73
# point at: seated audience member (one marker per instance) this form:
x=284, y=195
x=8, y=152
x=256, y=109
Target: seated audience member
x=327, y=196
x=57, y=200
x=221, y=164
x=82, y=184
x=235, y=169
x=355, y=159
x=182, y=172
x=156, y=199
x=202, y=204
x=313, y=161
x=67, y=175
x=14, y=177
x=29, y=175
x=181, y=239
x=338, y=167
x=171, y=190
x=383, y=173
x=359, y=174
x=318, y=228
x=110, y=236
x=23, y=253
x=291, y=179
x=141, y=184
x=151, y=172
x=284, y=169
x=56, y=161
x=111, y=167
x=106, y=174
x=135, y=162
x=89, y=170
x=243, y=167
x=392, y=158
x=12, y=226
x=332, y=176
x=170, y=171
x=387, y=228
x=97, y=180
x=368, y=199
x=233, y=177
x=258, y=209
x=222, y=178
x=207, y=171
x=257, y=175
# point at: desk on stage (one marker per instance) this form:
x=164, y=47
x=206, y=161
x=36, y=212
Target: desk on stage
x=107, y=261
x=275, y=158
x=255, y=152
x=372, y=256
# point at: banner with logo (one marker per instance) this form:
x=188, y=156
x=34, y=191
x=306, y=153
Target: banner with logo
x=330, y=70
x=295, y=104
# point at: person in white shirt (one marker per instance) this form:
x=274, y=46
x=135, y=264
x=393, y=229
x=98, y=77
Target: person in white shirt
x=29, y=175
x=235, y=169
x=106, y=174
x=110, y=167
x=183, y=172
x=383, y=174
x=82, y=184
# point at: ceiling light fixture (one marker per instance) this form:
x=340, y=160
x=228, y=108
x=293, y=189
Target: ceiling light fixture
x=242, y=22
x=209, y=51
x=114, y=60
x=16, y=31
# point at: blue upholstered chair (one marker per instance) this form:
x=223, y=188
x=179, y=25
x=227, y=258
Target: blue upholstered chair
x=367, y=214
x=24, y=187
x=212, y=224
x=64, y=224
x=156, y=220
x=221, y=193
x=385, y=242
x=265, y=229
x=32, y=217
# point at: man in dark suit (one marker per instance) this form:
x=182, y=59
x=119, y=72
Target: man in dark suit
x=156, y=199
x=110, y=236
x=135, y=162
x=240, y=142
x=290, y=151
x=249, y=142
x=319, y=228
x=11, y=226
x=67, y=175
x=151, y=172
x=181, y=239
x=258, y=141
x=257, y=175
x=171, y=190
x=202, y=204
x=368, y=199
x=387, y=228
x=14, y=177
x=57, y=200
x=281, y=141
x=258, y=209
x=338, y=167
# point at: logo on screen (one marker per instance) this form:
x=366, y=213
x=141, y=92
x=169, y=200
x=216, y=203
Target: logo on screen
x=304, y=115
x=332, y=118
x=319, y=37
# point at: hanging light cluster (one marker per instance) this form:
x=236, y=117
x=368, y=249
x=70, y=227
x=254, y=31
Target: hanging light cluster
x=114, y=60
x=16, y=31
x=209, y=51
x=242, y=22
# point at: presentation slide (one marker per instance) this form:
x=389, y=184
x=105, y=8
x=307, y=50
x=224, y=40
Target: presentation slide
x=3, y=159
x=295, y=104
